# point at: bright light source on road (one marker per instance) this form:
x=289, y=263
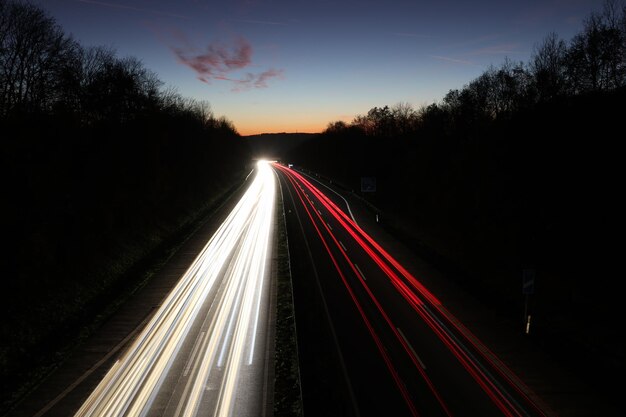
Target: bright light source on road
x=224, y=291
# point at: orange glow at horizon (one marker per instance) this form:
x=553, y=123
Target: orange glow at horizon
x=255, y=126
x=256, y=129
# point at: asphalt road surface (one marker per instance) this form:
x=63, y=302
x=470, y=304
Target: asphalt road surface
x=373, y=338
x=203, y=349
x=377, y=341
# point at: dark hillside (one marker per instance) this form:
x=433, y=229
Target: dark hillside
x=85, y=211
x=102, y=172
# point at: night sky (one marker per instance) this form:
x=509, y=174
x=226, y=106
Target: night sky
x=295, y=66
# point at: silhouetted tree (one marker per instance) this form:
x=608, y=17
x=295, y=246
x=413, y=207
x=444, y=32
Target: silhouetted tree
x=364, y=123
x=511, y=85
x=434, y=120
x=119, y=89
x=492, y=180
x=33, y=53
x=404, y=117
x=548, y=68
x=101, y=166
x=337, y=127
x=597, y=55
x=383, y=121
x=469, y=106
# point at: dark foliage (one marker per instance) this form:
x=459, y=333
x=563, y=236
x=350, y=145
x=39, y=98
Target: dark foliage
x=518, y=169
x=100, y=166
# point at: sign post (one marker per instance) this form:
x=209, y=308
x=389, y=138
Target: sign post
x=368, y=184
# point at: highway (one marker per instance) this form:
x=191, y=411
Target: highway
x=396, y=350
x=203, y=353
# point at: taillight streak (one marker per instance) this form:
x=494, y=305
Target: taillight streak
x=475, y=368
x=468, y=335
x=384, y=314
x=470, y=365
x=394, y=373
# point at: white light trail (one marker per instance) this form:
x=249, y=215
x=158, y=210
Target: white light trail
x=224, y=292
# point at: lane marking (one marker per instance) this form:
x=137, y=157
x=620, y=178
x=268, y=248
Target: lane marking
x=411, y=347
x=342, y=362
x=193, y=354
x=360, y=272
x=329, y=226
x=343, y=246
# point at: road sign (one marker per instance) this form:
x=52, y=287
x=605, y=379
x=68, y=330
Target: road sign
x=528, y=281
x=368, y=184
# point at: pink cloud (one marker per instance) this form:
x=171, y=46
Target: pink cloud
x=217, y=59
x=256, y=80
x=220, y=61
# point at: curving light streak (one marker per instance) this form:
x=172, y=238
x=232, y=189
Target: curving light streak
x=225, y=290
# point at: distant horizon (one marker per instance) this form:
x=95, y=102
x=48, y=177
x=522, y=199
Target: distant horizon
x=296, y=67
x=282, y=133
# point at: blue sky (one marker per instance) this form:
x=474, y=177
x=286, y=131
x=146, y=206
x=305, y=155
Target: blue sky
x=287, y=66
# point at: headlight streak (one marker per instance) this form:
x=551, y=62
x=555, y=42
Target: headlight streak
x=500, y=396
x=231, y=268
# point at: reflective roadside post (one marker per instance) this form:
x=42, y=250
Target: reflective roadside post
x=528, y=288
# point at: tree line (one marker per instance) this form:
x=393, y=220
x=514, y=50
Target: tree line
x=593, y=61
x=518, y=169
x=102, y=164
